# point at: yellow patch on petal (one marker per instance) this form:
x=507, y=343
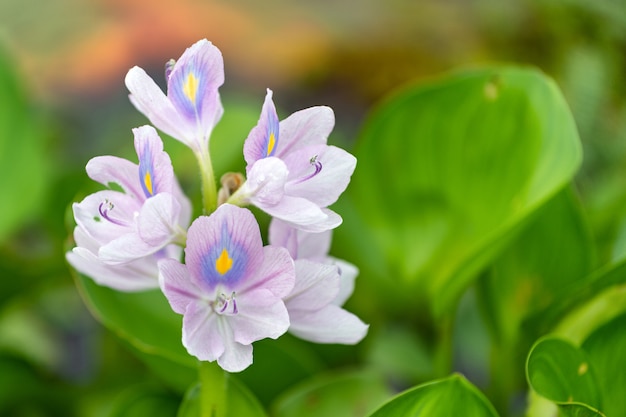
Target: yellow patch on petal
x=147, y=180
x=223, y=263
x=190, y=88
x=271, y=142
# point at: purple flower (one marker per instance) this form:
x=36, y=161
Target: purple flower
x=192, y=106
x=230, y=291
x=135, y=224
x=323, y=284
x=292, y=174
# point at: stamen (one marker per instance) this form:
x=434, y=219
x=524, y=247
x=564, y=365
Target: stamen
x=225, y=302
x=104, y=208
x=318, y=168
x=169, y=66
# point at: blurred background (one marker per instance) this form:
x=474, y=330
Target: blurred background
x=63, y=101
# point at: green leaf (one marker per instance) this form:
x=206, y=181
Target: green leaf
x=564, y=374
x=241, y=403
x=579, y=311
x=452, y=396
x=144, y=319
x=605, y=348
x=348, y=394
x=145, y=400
x=448, y=172
x=527, y=277
x=24, y=171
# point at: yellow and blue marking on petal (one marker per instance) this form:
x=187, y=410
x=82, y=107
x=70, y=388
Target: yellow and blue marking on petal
x=146, y=172
x=226, y=261
x=271, y=137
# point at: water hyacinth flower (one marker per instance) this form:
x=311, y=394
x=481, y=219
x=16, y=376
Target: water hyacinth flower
x=323, y=285
x=133, y=226
x=192, y=106
x=292, y=173
x=230, y=288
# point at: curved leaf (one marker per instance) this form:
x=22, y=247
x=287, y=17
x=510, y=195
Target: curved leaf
x=449, y=171
x=605, y=348
x=144, y=319
x=452, y=396
x=563, y=373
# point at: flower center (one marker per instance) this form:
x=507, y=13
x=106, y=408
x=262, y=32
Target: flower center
x=225, y=304
x=223, y=263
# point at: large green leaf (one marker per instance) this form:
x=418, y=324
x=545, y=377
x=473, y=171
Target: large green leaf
x=24, y=169
x=348, y=394
x=452, y=396
x=144, y=319
x=449, y=171
x=529, y=276
x=562, y=373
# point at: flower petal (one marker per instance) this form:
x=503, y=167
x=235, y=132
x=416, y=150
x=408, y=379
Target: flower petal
x=148, y=98
x=202, y=331
x=176, y=285
x=331, y=324
x=304, y=128
x=276, y=273
x=283, y=234
x=319, y=173
x=263, y=140
x=192, y=87
x=316, y=286
x=348, y=274
x=265, y=182
x=260, y=315
x=126, y=248
x=106, y=215
x=157, y=221
x=236, y=356
x=111, y=169
x=224, y=248
x=156, y=174
x=138, y=275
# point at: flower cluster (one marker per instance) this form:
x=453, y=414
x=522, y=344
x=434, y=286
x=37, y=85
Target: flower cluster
x=231, y=290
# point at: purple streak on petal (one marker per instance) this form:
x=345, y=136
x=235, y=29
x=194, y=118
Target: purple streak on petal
x=262, y=141
x=318, y=168
x=104, y=209
x=169, y=66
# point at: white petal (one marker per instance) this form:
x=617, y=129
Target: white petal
x=176, y=285
x=202, y=332
x=158, y=219
x=331, y=324
x=305, y=127
x=148, y=98
x=317, y=285
x=260, y=315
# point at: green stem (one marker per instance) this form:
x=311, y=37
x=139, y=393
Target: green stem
x=209, y=188
x=213, y=385
x=443, y=346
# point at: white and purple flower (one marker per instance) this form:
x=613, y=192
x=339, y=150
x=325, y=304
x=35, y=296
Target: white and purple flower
x=192, y=106
x=130, y=228
x=292, y=173
x=323, y=285
x=231, y=288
